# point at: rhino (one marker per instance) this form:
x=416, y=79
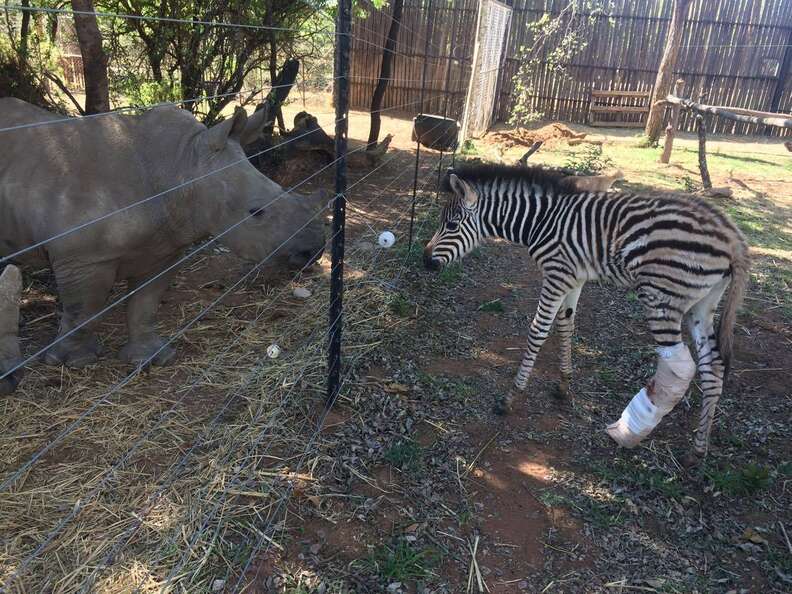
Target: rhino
x=56, y=177
x=10, y=354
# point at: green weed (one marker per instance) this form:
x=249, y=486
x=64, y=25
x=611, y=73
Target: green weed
x=451, y=274
x=400, y=305
x=747, y=480
x=405, y=455
x=403, y=562
x=494, y=306
x=590, y=160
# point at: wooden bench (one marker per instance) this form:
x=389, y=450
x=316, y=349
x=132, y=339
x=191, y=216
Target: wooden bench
x=623, y=109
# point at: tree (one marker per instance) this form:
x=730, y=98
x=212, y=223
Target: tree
x=554, y=41
x=385, y=74
x=97, y=93
x=188, y=60
x=665, y=73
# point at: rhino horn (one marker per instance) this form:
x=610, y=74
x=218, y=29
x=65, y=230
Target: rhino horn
x=233, y=128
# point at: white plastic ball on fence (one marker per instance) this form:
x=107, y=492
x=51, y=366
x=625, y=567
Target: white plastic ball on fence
x=273, y=351
x=386, y=239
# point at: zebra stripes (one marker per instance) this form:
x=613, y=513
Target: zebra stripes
x=679, y=253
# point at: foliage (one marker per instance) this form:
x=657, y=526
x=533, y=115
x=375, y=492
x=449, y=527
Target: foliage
x=29, y=60
x=494, y=306
x=746, y=480
x=403, y=562
x=590, y=160
x=556, y=40
x=405, y=455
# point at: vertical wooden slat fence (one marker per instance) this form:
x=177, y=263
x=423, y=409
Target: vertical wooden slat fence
x=444, y=53
x=735, y=52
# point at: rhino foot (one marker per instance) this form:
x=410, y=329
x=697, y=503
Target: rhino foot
x=10, y=383
x=72, y=353
x=143, y=351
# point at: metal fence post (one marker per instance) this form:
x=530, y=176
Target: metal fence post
x=343, y=43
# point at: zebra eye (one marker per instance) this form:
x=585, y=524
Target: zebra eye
x=452, y=225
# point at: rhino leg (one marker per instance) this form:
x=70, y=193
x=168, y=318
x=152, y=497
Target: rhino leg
x=10, y=354
x=144, y=342
x=83, y=292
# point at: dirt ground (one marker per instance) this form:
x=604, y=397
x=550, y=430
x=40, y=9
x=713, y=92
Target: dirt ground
x=412, y=472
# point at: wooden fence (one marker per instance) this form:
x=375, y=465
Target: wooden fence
x=735, y=52
x=450, y=53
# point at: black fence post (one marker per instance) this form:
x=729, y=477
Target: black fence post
x=429, y=23
x=343, y=43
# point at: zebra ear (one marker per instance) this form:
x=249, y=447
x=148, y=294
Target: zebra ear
x=463, y=190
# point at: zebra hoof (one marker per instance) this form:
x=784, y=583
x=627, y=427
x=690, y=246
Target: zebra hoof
x=561, y=391
x=692, y=460
x=502, y=406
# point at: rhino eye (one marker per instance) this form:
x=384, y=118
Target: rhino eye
x=256, y=212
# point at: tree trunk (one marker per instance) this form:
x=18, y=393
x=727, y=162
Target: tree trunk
x=282, y=84
x=273, y=68
x=24, y=33
x=701, y=127
x=97, y=94
x=665, y=74
x=385, y=73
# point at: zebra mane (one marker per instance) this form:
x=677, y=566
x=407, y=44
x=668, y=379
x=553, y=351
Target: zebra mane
x=484, y=172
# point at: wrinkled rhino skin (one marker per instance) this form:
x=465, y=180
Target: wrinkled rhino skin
x=10, y=355
x=58, y=176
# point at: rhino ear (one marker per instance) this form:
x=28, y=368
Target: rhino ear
x=255, y=125
x=232, y=128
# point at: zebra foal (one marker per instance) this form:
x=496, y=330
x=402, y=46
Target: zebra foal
x=678, y=253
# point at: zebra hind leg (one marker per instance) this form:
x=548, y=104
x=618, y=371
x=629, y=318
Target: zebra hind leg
x=566, y=328
x=675, y=370
x=710, y=366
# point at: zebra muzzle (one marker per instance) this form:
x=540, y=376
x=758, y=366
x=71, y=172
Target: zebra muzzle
x=430, y=262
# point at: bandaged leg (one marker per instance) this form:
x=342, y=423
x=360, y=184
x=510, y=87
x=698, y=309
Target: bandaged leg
x=675, y=370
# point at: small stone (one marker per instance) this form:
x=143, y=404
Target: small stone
x=301, y=292
x=218, y=585
x=394, y=586
x=523, y=585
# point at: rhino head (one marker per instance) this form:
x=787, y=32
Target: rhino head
x=248, y=212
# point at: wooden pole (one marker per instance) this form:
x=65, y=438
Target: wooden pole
x=701, y=127
x=738, y=114
x=672, y=124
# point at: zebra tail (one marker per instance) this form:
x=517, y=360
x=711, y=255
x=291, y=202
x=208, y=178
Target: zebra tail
x=739, y=281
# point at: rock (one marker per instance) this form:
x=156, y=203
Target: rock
x=301, y=292
x=218, y=585
x=721, y=192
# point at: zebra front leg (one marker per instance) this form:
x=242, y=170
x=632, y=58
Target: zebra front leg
x=566, y=328
x=675, y=370
x=710, y=366
x=550, y=299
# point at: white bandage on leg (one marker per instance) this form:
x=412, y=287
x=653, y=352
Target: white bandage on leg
x=675, y=370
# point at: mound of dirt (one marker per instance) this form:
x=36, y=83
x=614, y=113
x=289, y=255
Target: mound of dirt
x=549, y=134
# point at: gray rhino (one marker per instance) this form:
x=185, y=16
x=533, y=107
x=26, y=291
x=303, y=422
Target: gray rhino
x=10, y=355
x=58, y=176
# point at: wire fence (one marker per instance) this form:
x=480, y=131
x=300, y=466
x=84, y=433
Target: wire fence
x=267, y=387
